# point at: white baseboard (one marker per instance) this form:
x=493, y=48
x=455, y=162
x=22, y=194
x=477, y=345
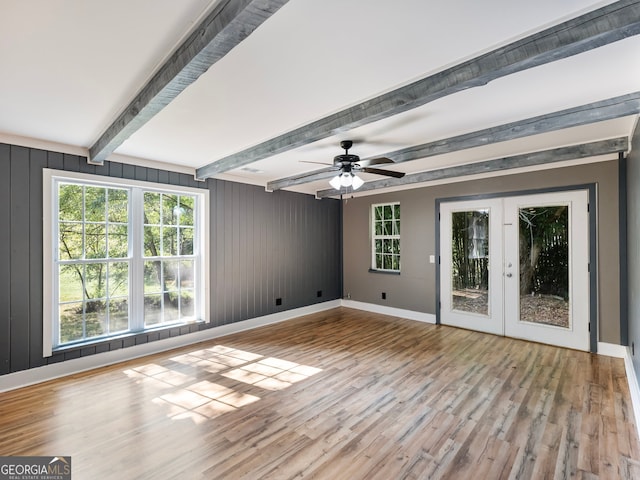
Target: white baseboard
x=611, y=350
x=620, y=351
x=395, y=312
x=49, y=372
x=634, y=388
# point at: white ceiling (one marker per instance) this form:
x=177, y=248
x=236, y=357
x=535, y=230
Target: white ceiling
x=70, y=66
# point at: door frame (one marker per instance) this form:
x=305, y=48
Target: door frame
x=591, y=189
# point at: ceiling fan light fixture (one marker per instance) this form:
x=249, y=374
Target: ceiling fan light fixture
x=346, y=179
x=357, y=182
x=335, y=182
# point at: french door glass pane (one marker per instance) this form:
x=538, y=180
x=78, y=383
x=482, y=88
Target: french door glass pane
x=544, y=265
x=470, y=261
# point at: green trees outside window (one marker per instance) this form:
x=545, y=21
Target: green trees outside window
x=386, y=237
x=99, y=249
x=93, y=252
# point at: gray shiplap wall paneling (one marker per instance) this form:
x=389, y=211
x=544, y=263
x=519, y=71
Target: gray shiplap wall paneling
x=262, y=246
x=5, y=263
x=163, y=176
x=152, y=175
x=128, y=171
x=37, y=161
x=87, y=168
x=115, y=169
x=141, y=173
x=55, y=160
x=71, y=162
x=19, y=204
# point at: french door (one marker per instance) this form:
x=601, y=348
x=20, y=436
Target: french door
x=518, y=266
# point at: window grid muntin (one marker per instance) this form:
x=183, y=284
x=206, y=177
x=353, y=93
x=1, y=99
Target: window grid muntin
x=134, y=326
x=164, y=293
x=83, y=261
x=385, y=229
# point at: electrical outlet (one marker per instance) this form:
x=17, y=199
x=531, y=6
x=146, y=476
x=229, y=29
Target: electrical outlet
x=278, y=301
x=348, y=296
x=319, y=293
x=384, y=295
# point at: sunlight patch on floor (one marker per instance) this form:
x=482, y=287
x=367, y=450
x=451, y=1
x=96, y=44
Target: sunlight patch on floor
x=207, y=399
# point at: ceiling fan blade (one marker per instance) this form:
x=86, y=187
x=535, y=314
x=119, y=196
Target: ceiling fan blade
x=379, y=171
x=375, y=161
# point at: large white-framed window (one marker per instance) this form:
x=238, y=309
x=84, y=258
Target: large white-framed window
x=121, y=256
x=385, y=236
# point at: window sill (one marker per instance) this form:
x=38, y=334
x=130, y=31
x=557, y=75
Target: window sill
x=98, y=340
x=384, y=272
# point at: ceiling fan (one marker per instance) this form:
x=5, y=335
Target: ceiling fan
x=348, y=165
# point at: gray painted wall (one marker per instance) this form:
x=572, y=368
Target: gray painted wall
x=263, y=246
x=415, y=288
x=633, y=255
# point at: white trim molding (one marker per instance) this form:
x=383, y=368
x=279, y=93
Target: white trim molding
x=634, y=388
x=25, y=378
x=620, y=351
x=611, y=350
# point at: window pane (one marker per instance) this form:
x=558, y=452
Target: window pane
x=186, y=210
x=169, y=241
x=395, y=246
x=379, y=229
x=70, y=241
x=186, y=241
x=152, y=309
x=96, y=318
x=186, y=303
x=118, y=241
x=396, y=212
x=152, y=277
x=70, y=283
x=171, y=312
x=378, y=246
x=170, y=270
x=71, y=322
x=152, y=208
x=118, y=315
x=95, y=238
x=98, y=252
x=388, y=212
x=169, y=209
x=396, y=227
x=119, y=279
x=396, y=262
x=94, y=204
x=388, y=228
x=386, y=262
x=118, y=205
x=70, y=202
x=151, y=241
x=186, y=274
x=96, y=280
x=378, y=213
x=379, y=260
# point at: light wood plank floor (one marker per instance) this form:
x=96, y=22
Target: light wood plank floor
x=341, y=394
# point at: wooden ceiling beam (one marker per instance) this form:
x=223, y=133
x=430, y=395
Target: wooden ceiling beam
x=594, y=29
x=574, y=152
x=609, y=109
x=230, y=22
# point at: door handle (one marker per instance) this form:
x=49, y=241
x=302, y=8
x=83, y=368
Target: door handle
x=509, y=275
